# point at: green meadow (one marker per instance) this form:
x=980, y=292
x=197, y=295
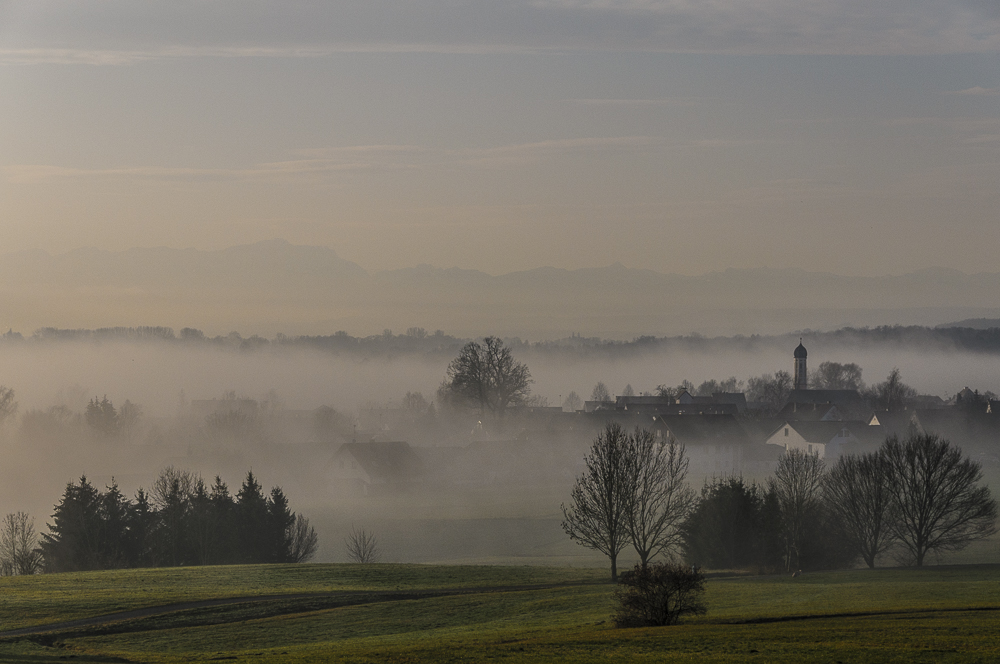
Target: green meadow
x=417, y=613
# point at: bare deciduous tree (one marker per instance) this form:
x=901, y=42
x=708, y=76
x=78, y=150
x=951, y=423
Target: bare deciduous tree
x=771, y=390
x=8, y=407
x=600, y=393
x=797, y=484
x=836, y=376
x=573, y=402
x=935, y=493
x=128, y=420
x=487, y=375
x=858, y=494
x=172, y=484
x=597, y=516
x=891, y=394
x=362, y=546
x=19, y=553
x=303, y=540
x=660, y=498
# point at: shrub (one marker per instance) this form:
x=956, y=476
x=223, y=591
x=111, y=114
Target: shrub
x=658, y=594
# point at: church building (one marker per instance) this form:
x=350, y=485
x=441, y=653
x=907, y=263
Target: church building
x=801, y=376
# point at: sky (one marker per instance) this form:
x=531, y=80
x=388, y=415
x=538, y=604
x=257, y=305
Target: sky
x=848, y=136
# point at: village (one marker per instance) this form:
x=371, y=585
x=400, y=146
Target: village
x=723, y=434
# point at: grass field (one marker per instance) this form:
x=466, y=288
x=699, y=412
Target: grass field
x=412, y=613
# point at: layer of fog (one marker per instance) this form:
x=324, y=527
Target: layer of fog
x=156, y=376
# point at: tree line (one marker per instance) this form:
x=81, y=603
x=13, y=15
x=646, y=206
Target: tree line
x=910, y=498
x=180, y=521
x=417, y=340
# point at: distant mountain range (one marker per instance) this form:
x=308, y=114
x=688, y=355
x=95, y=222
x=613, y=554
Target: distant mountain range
x=275, y=286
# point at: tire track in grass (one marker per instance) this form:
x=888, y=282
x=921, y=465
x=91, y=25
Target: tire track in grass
x=350, y=597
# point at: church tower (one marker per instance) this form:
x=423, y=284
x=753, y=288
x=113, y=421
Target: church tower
x=800, y=376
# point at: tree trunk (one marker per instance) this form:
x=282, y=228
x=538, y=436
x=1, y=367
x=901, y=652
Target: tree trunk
x=614, y=567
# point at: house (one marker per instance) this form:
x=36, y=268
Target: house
x=896, y=423
x=810, y=412
x=738, y=399
x=827, y=439
x=685, y=404
x=848, y=402
x=375, y=467
x=715, y=444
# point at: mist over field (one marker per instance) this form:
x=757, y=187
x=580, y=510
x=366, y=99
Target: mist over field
x=501, y=517
x=499, y=290
x=155, y=374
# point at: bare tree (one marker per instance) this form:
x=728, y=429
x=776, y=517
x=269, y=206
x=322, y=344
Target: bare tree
x=573, y=402
x=601, y=393
x=771, y=390
x=836, y=376
x=858, y=494
x=597, y=516
x=303, y=540
x=487, y=375
x=128, y=420
x=935, y=493
x=660, y=498
x=362, y=546
x=891, y=394
x=8, y=407
x=797, y=484
x=172, y=484
x=19, y=553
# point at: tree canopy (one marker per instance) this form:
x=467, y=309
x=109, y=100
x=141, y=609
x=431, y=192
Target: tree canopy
x=487, y=376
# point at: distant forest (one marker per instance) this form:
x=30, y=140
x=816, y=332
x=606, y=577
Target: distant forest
x=417, y=341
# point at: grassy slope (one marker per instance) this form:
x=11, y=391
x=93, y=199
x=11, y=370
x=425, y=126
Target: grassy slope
x=915, y=615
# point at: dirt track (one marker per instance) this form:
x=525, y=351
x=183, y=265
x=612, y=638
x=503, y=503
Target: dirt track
x=358, y=597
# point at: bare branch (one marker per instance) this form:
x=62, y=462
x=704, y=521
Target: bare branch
x=362, y=546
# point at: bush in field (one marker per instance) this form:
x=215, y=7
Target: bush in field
x=658, y=594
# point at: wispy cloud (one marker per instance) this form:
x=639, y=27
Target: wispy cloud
x=82, y=56
x=115, y=32
x=357, y=159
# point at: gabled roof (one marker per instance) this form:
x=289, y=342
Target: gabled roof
x=810, y=412
x=897, y=423
x=704, y=429
x=821, y=432
x=384, y=461
x=759, y=430
x=849, y=402
x=623, y=402
x=739, y=399
x=948, y=422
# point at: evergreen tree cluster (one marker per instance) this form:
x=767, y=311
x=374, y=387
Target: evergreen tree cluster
x=181, y=521
x=738, y=524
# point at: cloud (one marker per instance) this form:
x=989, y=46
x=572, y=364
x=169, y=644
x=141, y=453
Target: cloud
x=114, y=32
x=356, y=158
